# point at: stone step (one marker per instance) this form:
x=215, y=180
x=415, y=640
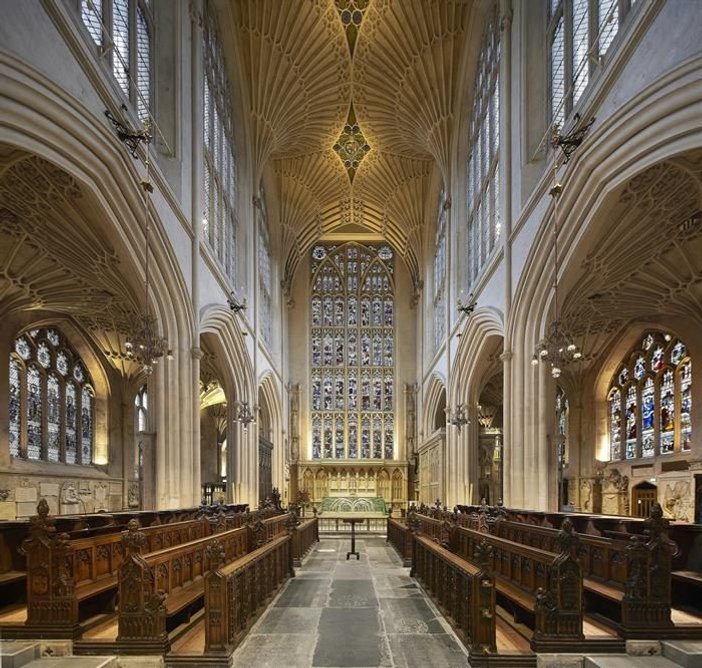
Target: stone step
x=17, y=653
x=686, y=653
x=626, y=661
x=73, y=662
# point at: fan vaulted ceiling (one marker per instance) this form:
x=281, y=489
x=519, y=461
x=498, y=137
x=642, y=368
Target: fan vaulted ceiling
x=351, y=102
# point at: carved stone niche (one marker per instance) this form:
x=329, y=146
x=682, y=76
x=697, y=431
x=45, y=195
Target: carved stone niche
x=676, y=497
x=615, y=493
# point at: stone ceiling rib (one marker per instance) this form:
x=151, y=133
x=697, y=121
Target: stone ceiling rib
x=405, y=82
x=395, y=90
x=298, y=74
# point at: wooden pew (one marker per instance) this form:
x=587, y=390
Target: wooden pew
x=69, y=580
x=400, y=538
x=464, y=592
x=626, y=582
x=154, y=588
x=13, y=585
x=161, y=589
x=237, y=594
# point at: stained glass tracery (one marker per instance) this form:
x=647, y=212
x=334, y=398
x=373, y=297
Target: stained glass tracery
x=352, y=352
x=650, y=400
x=483, y=169
x=51, y=400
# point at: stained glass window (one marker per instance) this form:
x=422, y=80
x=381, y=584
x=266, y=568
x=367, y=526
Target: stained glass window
x=51, y=400
x=126, y=26
x=141, y=407
x=71, y=418
x=53, y=390
x=685, y=373
x=15, y=406
x=352, y=352
x=578, y=32
x=220, y=171
x=440, y=272
x=615, y=424
x=656, y=384
x=35, y=400
x=86, y=420
x=667, y=401
x=265, y=281
x=648, y=409
x=483, y=229
x=562, y=413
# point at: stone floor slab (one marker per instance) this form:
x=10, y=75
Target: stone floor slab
x=409, y=615
x=349, y=637
x=421, y=651
x=304, y=594
x=290, y=620
x=275, y=651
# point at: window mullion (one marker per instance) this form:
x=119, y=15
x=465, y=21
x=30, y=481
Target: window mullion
x=568, y=57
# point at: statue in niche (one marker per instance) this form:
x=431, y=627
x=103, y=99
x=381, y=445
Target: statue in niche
x=586, y=496
x=676, y=500
x=133, y=495
x=100, y=492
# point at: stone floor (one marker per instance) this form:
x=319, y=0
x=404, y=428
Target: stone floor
x=351, y=613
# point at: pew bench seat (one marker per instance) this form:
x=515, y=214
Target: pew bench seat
x=601, y=589
x=179, y=599
x=9, y=577
x=92, y=588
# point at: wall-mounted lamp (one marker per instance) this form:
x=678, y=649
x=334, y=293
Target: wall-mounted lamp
x=457, y=417
x=467, y=307
x=244, y=415
x=234, y=304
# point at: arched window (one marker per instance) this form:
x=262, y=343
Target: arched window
x=52, y=401
x=440, y=272
x=579, y=32
x=483, y=191
x=220, y=178
x=352, y=352
x=123, y=30
x=650, y=399
x=264, y=272
x=562, y=415
x=141, y=410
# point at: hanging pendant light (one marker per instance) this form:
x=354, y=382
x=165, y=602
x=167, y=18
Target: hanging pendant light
x=557, y=348
x=143, y=345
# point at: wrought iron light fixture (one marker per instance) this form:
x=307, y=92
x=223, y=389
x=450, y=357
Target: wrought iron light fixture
x=467, y=307
x=244, y=414
x=570, y=142
x=558, y=347
x=457, y=417
x=143, y=344
x=234, y=304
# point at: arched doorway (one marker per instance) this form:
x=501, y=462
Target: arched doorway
x=643, y=496
x=265, y=449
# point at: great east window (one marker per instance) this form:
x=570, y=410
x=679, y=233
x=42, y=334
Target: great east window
x=352, y=352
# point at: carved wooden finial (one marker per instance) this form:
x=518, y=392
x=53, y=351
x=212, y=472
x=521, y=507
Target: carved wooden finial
x=292, y=521
x=482, y=554
x=215, y=554
x=568, y=541
x=133, y=540
x=656, y=526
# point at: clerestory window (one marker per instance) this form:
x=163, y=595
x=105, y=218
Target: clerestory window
x=483, y=184
x=579, y=34
x=123, y=31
